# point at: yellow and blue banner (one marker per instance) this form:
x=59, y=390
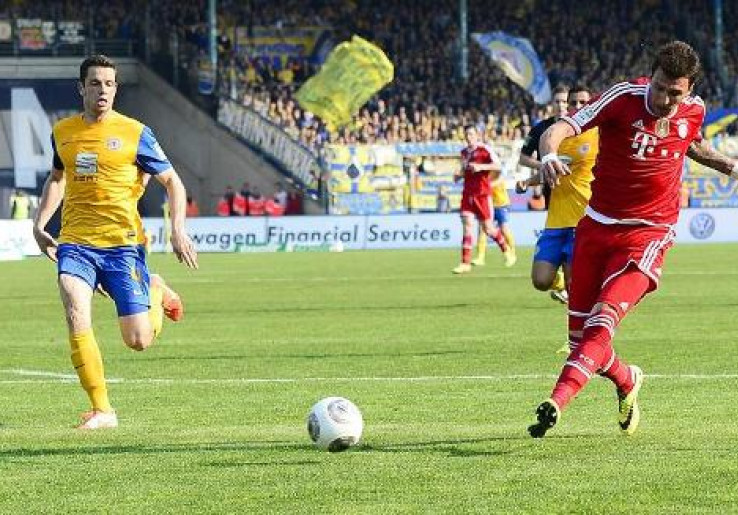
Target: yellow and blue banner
x=518, y=60
x=279, y=46
x=719, y=119
x=354, y=71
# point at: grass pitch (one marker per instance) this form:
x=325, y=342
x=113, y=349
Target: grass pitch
x=447, y=371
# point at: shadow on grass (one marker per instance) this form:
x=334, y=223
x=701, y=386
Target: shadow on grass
x=152, y=449
x=452, y=448
x=457, y=448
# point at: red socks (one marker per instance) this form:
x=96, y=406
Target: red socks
x=466, y=248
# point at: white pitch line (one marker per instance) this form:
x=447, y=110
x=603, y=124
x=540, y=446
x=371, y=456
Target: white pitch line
x=38, y=373
x=47, y=374
x=55, y=378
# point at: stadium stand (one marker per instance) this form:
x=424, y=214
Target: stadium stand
x=426, y=103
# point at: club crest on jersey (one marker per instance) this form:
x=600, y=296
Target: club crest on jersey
x=682, y=128
x=662, y=127
x=114, y=143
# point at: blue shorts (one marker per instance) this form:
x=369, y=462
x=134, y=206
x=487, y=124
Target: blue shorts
x=555, y=246
x=502, y=215
x=121, y=271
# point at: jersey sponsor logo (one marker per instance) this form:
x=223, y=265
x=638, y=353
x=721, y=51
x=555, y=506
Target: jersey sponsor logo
x=643, y=142
x=86, y=163
x=114, y=144
x=702, y=225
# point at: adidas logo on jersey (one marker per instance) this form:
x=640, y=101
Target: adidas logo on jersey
x=638, y=124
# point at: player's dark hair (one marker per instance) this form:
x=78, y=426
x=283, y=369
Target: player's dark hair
x=470, y=126
x=99, y=60
x=677, y=59
x=578, y=88
x=561, y=89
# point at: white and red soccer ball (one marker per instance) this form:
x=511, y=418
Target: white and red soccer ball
x=335, y=424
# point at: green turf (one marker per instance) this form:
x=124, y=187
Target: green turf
x=198, y=435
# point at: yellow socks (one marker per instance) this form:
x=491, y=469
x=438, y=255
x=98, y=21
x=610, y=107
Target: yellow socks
x=481, y=244
x=88, y=364
x=156, y=311
x=559, y=283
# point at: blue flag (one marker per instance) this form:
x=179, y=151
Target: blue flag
x=519, y=61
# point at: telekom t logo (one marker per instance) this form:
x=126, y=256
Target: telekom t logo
x=643, y=141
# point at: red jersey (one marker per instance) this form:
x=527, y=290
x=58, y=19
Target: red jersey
x=477, y=183
x=637, y=176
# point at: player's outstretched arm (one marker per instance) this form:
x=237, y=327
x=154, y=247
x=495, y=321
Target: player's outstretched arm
x=182, y=245
x=51, y=197
x=551, y=166
x=704, y=154
x=529, y=162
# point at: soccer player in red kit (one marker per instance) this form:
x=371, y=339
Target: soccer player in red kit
x=478, y=161
x=646, y=127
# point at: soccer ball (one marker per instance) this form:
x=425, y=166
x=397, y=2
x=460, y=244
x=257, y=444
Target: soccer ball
x=335, y=424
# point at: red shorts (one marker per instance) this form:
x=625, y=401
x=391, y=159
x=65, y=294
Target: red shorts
x=603, y=252
x=478, y=205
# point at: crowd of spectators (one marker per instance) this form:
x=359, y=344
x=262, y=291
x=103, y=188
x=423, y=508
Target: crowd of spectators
x=428, y=102
x=578, y=43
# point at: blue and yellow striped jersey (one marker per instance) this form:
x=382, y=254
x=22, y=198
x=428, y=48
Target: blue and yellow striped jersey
x=571, y=196
x=103, y=164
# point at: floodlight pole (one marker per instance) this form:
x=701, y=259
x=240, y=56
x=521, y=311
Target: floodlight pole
x=718, y=13
x=212, y=26
x=463, y=39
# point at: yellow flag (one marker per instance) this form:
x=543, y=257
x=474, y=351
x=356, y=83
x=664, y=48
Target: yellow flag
x=354, y=71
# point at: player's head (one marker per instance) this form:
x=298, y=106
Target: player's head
x=471, y=134
x=578, y=96
x=673, y=75
x=560, y=100
x=97, y=84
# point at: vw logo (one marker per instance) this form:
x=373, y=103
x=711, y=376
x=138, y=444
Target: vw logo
x=702, y=225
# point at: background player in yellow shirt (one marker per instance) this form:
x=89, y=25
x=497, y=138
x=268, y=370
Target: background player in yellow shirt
x=556, y=243
x=100, y=160
x=501, y=217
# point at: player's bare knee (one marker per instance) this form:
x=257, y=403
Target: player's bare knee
x=490, y=230
x=77, y=320
x=541, y=282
